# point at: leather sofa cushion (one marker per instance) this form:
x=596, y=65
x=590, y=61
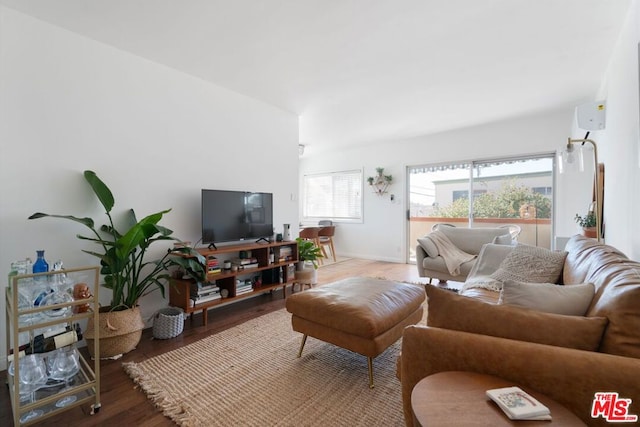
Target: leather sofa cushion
x=361, y=306
x=456, y=312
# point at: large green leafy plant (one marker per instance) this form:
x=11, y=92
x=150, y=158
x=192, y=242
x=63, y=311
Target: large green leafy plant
x=124, y=266
x=308, y=251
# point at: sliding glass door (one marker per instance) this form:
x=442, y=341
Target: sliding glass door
x=515, y=192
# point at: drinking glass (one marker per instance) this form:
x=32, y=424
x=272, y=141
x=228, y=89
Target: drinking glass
x=11, y=372
x=64, y=364
x=33, y=375
x=58, y=296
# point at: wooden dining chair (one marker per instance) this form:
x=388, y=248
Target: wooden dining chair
x=311, y=233
x=325, y=237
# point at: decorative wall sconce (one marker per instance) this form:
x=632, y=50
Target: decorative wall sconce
x=571, y=160
x=381, y=182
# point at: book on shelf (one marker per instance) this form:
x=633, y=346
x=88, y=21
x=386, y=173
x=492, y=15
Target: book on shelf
x=199, y=286
x=285, y=252
x=204, y=292
x=244, y=261
x=205, y=288
x=518, y=404
x=244, y=288
x=207, y=298
x=246, y=284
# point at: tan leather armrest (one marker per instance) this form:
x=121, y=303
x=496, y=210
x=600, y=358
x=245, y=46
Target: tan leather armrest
x=570, y=377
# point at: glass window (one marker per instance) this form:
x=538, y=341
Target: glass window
x=464, y=194
x=510, y=191
x=334, y=195
x=546, y=191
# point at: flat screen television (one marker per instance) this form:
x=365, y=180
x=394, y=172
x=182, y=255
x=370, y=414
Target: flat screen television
x=236, y=215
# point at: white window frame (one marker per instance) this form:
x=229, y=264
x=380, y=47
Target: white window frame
x=335, y=176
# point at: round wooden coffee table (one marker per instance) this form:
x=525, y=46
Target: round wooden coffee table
x=459, y=399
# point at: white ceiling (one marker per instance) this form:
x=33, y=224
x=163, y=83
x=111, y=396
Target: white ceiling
x=359, y=71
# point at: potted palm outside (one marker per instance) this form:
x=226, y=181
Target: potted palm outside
x=125, y=269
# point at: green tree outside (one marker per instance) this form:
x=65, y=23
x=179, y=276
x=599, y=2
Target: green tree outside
x=505, y=203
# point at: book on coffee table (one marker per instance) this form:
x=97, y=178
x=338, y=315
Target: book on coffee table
x=519, y=405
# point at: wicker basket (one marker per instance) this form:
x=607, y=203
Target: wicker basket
x=119, y=332
x=168, y=323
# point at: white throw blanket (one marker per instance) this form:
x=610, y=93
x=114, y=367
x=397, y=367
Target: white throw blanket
x=453, y=257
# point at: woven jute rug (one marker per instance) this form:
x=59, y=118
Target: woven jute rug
x=249, y=375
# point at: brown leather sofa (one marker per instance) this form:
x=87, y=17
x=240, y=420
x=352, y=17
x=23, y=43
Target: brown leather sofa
x=567, y=358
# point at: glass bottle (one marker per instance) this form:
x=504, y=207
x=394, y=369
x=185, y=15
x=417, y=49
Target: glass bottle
x=41, y=265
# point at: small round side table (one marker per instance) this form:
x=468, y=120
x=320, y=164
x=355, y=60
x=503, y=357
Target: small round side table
x=459, y=399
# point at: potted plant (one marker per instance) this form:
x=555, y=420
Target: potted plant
x=308, y=251
x=588, y=224
x=125, y=269
x=380, y=182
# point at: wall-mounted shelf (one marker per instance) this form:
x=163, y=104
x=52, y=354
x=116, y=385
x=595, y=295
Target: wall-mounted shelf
x=381, y=182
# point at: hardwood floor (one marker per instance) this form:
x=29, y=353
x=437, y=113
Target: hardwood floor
x=124, y=405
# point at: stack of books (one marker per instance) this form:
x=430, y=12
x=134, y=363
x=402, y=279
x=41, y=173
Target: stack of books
x=245, y=263
x=204, y=292
x=243, y=287
x=213, y=267
x=286, y=254
x=518, y=404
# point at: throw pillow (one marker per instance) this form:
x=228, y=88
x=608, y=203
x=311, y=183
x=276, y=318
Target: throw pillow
x=531, y=264
x=503, y=240
x=428, y=246
x=452, y=311
x=572, y=300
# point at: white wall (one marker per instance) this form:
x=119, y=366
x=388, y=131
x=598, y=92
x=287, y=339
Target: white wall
x=154, y=135
x=382, y=235
x=619, y=143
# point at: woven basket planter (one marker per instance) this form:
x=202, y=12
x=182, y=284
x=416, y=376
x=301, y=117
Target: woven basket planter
x=168, y=323
x=119, y=332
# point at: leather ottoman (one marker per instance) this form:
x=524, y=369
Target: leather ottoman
x=360, y=314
